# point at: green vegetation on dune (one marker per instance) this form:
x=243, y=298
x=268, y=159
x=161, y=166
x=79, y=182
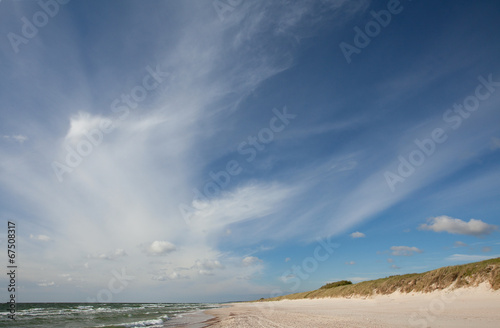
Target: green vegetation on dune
x=457, y=276
x=336, y=284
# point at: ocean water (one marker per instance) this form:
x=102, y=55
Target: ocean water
x=102, y=315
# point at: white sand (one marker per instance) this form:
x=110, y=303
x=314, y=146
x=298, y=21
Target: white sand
x=466, y=307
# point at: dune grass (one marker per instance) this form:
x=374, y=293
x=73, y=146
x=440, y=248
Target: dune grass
x=457, y=276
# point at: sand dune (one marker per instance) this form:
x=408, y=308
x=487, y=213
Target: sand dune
x=464, y=307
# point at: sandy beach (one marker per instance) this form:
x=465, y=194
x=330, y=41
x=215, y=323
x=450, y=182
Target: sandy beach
x=465, y=307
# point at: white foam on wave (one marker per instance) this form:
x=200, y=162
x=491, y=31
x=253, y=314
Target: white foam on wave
x=146, y=323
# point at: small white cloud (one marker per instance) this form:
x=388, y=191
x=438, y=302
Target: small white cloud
x=175, y=275
x=286, y=278
x=18, y=137
x=206, y=272
x=120, y=252
x=251, y=260
x=486, y=249
x=109, y=256
x=159, y=247
x=394, y=266
x=457, y=226
x=460, y=244
x=46, y=284
x=40, y=237
x=81, y=124
x=208, y=265
x=404, y=250
x=357, y=234
x=389, y=260
x=287, y=259
x=169, y=276
x=356, y=279
x=350, y=263
x=470, y=258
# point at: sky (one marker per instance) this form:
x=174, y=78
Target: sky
x=207, y=151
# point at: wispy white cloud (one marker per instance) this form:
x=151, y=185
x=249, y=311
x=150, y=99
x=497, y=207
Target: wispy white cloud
x=46, y=284
x=40, y=237
x=17, y=137
x=404, y=250
x=460, y=244
x=470, y=258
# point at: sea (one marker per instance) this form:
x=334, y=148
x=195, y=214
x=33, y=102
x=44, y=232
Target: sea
x=106, y=315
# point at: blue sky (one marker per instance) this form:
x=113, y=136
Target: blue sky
x=232, y=150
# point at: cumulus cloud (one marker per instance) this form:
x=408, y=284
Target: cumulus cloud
x=82, y=124
x=206, y=267
x=389, y=260
x=251, y=260
x=159, y=247
x=395, y=267
x=357, y=234
x=404, y=250
x=40, y=237
x=456, y=226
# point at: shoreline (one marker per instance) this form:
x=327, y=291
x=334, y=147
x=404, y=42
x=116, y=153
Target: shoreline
x=458, y=308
